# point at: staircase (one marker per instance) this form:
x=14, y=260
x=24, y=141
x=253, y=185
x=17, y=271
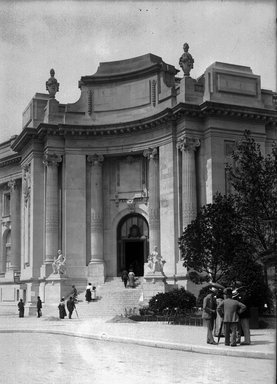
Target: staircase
x=112, y=299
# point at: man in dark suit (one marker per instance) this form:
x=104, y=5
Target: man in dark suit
x=230, y=309
x=209, y=313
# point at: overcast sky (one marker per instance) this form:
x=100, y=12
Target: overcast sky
x=74, y=36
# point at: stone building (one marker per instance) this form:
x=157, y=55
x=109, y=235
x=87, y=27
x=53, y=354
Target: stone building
x=122, y=170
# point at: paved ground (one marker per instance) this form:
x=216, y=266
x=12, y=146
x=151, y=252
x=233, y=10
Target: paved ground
x=161, y=335
x=54, y=359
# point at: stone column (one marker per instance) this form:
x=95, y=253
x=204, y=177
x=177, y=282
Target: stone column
x=154, y=198
x=189, y=202
x=52, y=207
x=15, y=224
x=96, y=265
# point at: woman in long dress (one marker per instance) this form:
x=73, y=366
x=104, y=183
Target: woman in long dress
x=62, y=311
x=131, y=276
x=88, y=292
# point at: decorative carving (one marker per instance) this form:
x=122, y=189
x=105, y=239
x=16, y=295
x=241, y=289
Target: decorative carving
x=12, y=184
x=155, y=262
x=96, y=160
x=51, y=160
x=154, y=83
x=186, y=60
x=90, y=101
x=26, y=183
x=131, y=205
x=52, y=85
x=59, y=264
x=130, y=159
x=150, y=153
x=116, y=200
x=186, y=143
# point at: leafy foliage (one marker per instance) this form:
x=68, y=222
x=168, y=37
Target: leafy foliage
x=253, y=179
x=177, y=298
x=212, y=241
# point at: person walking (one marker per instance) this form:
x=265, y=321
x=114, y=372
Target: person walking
x=230, y=309
x=124, y=277
x=209, y=313
x=21, y=308
x=39, y=307
x=131, y=277
x=74, y=294
x=62, y=311
x=88, y=292
x=70, y=306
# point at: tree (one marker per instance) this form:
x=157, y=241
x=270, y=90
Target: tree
x=253, y=178
x=211, y=243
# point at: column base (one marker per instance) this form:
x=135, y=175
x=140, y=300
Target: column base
x=96, y=272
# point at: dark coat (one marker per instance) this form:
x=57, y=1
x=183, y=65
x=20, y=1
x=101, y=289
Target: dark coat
x=70, y=305
x=62, y=311
x=124, y=276
x=39, y=304
x=229, y=309
x=209, y=307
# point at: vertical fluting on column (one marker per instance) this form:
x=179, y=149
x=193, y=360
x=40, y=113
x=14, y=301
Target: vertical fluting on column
x=154, y=197
x=96, y=217
x=15, y=224
x=189, y=194
x=51, y=162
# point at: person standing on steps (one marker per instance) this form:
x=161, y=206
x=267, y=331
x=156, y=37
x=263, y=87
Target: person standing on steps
x=88, y=292
x=124, y=277
x=131, y=277
x=21, y=308
x=39, y=307
x=74, y=294
x=70, y=306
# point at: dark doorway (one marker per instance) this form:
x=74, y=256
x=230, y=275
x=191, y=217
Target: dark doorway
x=134, y=256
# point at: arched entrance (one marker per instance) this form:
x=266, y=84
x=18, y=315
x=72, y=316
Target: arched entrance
x=132, y=243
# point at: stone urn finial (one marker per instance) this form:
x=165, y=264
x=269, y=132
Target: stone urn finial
x=186, y=60
x=52, y=86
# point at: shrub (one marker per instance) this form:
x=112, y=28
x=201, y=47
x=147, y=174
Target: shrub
x=177, y=298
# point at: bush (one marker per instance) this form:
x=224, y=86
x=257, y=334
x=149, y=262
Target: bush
x=177, y=298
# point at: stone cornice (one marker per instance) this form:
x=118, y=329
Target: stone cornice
x=180, y=111
x=10, y=160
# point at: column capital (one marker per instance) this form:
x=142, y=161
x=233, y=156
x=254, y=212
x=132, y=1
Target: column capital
x=51, y=159
x=150, y=153
x=95, y=159
x=186, y=143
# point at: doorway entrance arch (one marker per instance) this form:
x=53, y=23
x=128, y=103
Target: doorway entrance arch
x=132, y=243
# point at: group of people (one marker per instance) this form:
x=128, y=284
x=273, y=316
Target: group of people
x=128, y=276
x=90, y=293
x=226, y=314
x=21, y=307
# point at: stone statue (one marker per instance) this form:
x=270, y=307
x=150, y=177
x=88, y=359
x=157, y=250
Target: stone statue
x=186, y=60
x=58, y=264
x=52, y=86
x=155, y=261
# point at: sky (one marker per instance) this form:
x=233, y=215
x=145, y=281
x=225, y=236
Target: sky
x=73, y=37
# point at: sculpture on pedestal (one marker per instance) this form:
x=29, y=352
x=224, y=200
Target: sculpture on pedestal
x=155, y=262
x=186, y=60
x=58, y=264
x=52, y=85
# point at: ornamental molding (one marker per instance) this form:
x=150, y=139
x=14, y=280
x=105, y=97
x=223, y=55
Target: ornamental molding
x=51, y=159
x=186, y=143
x=151, y=153
x=95, y=160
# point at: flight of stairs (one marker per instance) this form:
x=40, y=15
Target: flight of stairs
x=112, y=299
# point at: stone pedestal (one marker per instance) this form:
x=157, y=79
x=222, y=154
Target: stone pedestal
x=55, y=288
x=153, y=284
x=45, y=270
x=96, y=272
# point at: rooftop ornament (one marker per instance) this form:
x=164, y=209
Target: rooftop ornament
x=52, y=85
x=186, y=60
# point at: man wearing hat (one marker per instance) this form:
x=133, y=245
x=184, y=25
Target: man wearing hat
x=240, y=293
x=209, y=312
x=230, y=309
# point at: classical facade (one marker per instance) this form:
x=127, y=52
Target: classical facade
x=122, y=170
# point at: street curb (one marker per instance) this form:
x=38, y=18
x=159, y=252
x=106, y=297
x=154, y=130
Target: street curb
x=150, y=343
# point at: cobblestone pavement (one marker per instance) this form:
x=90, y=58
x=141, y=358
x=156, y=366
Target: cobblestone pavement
x=40, y=358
